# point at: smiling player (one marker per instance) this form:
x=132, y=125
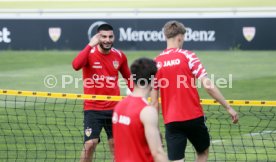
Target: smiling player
x=101, y=64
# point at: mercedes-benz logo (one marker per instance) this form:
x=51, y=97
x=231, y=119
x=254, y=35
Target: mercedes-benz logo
x=92, y=26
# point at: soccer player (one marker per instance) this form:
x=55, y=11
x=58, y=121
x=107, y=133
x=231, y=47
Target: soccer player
x=135, y=123
x=100, y=63
x=183, y=115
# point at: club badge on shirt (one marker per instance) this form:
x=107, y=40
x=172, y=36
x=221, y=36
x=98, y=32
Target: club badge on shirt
x=116, y=64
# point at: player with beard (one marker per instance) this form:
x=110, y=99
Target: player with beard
x=101, y=64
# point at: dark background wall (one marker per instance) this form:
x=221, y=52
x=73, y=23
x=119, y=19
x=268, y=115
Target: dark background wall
x=139, y=34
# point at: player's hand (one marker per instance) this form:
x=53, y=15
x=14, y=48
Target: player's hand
x=95, y=40
x=234, y=115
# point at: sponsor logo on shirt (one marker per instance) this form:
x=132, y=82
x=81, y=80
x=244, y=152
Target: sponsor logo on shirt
x=97, y=77
x=171, y=63
x=125, y=120
x=97, y=65
x=54, y=33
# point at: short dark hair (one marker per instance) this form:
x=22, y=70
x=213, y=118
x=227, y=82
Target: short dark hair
x=143, y=70
x=105, y=27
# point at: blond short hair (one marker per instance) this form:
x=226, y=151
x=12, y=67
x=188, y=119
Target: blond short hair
x=173, y=28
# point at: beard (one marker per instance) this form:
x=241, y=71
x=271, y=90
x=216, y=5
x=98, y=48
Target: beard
x=105, y=48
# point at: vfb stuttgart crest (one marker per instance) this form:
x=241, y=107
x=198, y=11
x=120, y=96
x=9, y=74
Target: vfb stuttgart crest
x=88, y=132
x=249, y=33
x=54, y=33
x=116, y=64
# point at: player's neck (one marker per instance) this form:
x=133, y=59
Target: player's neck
x=102, y=50
x=140, y=92
x=173, y=44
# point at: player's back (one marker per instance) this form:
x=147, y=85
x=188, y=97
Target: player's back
x=128, y=131
x=177, y=73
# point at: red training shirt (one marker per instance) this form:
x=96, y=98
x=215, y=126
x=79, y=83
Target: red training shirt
x=130, y=143
x=177, y=70
x=100, y=74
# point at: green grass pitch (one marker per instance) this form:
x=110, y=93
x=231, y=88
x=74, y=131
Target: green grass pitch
x=252, y=72
x=46, y=128
x=57, y=125
x=39, y=129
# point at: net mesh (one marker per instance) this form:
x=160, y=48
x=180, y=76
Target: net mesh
x=51, y=129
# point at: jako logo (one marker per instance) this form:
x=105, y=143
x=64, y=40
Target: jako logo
x=171, y=63
x=154, y=36
x=125, y=120
x=92, y=31
x=4, y=35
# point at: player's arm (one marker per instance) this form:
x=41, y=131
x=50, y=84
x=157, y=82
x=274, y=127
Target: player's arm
x=149, y=118
x=199, y=72
x=154, y=94
x=214, y=92
x=81, y=59
x=124, y=70
x=154, y=98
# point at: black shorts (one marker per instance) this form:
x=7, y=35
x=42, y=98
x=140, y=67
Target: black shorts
x=177, y=134
x=94, y=121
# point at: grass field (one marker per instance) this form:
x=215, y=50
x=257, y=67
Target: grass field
x=51, y=130
x=42, y=4
x=252, y=71
x=39, y=129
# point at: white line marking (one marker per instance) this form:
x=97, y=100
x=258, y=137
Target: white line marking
x=260, y=133
x=217, y=141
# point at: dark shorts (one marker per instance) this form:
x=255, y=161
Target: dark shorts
x=94, y=121
x=177, y=134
